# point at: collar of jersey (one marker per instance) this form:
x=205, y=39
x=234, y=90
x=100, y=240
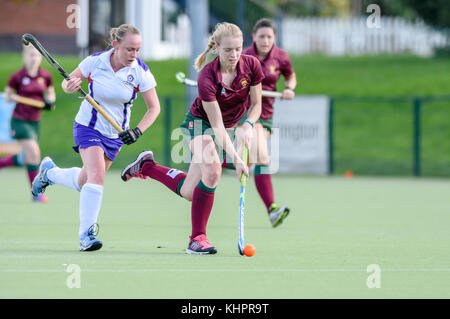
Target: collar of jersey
x=105, y=58
x=239, y=71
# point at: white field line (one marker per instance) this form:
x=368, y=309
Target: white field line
x=220, y=270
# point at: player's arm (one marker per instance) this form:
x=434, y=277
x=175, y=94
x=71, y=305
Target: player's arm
x=49, y=94
x=9, y=94
x=74, y=84
x=49, y=98
x=290, y=85
x=153, y=109
x=254, y=111
x=215, y=119
x=244, y=133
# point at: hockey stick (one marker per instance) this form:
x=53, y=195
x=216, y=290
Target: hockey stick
x=28, y=38
x=181, y=77
x=241, y=242
x=28, y=101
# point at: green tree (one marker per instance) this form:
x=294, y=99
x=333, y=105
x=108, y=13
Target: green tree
x=434, y=12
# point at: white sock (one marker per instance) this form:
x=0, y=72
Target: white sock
x=65, y=176
x=90, y=202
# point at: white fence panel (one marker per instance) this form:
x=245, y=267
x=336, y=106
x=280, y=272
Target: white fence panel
x=352, y=36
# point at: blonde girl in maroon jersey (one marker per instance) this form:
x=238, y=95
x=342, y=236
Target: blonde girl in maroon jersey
x=229, y=86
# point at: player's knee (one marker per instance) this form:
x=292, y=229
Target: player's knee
x=186, y=191
x=264, y=162
x=32, y=159
x=212, y=174
x=263, y=159
x=96, y=177
x=32, y=156
x=187, y=196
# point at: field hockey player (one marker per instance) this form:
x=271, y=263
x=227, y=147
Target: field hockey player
x=275, y=62
x=115, y=77
x=34, y=83
x=227, y=87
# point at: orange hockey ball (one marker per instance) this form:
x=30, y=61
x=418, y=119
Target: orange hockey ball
x=249, y=250
x=348, y=174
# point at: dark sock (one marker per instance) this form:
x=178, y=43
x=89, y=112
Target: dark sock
x=202, y=203
x=172, y=178
x=32, y=171
x=12, y=160
x=263, y=182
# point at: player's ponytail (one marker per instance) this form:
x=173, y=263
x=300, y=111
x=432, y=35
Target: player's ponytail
x=221, y=30
x=119, y=33
x=202, y=57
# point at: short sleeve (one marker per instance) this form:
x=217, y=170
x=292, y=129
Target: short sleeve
x=14, y=81
x=207, y=88
x=148, y=81
x=48, y=79
x=257, y=72
x=86, y=66
x=285, y=64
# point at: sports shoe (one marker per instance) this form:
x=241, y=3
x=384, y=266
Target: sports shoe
x=134, y=169
x=41, y=181
x=200, y=246
x=40, y=199
x=277, y=214
x=89, y=242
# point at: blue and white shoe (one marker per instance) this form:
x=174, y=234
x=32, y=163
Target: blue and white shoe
x=41, y=181
x=89, y=242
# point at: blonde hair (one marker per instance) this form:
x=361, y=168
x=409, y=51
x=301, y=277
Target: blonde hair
x=119, y=33
x=221, y=30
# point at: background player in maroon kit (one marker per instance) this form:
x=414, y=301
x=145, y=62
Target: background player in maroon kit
x=275, y=62
x=32, y=82
x=228, y=86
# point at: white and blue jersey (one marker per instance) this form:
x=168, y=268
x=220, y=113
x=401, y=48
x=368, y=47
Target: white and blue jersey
x=113, y=91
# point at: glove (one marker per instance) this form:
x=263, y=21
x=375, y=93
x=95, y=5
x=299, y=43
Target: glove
x=49, y=106
x=130, y=136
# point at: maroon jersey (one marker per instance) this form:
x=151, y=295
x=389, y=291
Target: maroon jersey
x=276, y=62
x=31, y=87
x=233, y=100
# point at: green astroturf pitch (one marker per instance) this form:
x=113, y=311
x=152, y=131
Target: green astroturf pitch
x=336, y=229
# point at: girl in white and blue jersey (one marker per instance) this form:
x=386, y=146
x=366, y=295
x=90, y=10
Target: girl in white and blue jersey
x=115, y=77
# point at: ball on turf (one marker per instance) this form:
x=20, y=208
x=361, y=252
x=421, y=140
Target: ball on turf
x=249, y=250
x=348, y=174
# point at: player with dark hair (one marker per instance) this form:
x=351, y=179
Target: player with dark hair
x=34, y=83
x=228, y=86
x=275, y=62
